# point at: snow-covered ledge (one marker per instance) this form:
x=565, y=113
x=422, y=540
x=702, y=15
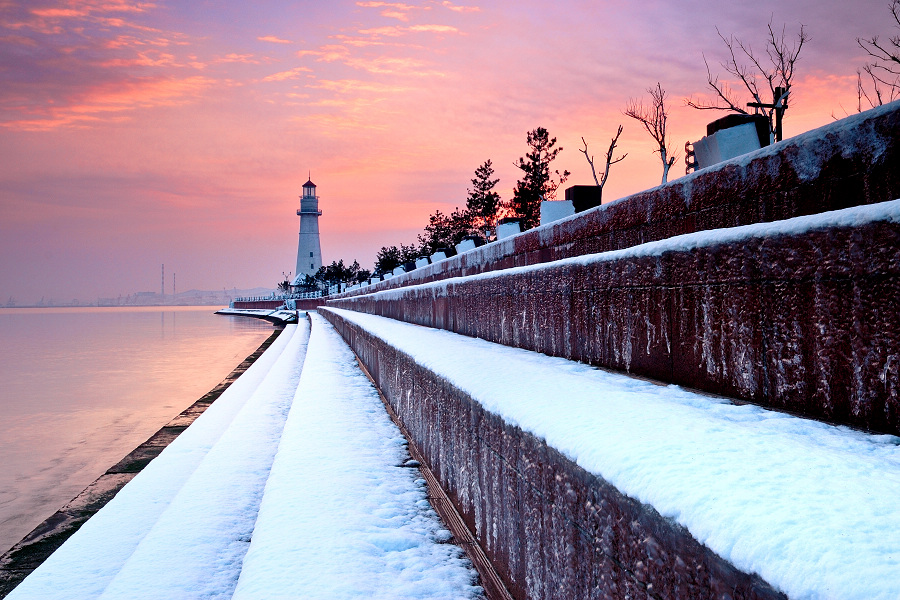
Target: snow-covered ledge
x=846, y=163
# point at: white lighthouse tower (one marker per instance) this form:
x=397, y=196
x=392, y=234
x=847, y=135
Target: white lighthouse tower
x=309, y=251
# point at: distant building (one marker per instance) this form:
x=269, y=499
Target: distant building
x=309, y=250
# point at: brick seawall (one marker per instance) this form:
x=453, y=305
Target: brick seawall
x=551, y=529
x=808, y=323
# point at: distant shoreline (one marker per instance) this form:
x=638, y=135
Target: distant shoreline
x=114, y=305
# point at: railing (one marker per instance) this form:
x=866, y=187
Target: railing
x=291, y=296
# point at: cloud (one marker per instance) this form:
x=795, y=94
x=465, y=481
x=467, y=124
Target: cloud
x=130, y=41
x=434, y=29
x=327, y=53
x=19, y=40
x=356, y=86
x=389, y=31
x=59, y=13
x=394, y=31
x=107, y=101
x=394, y=10
x=55, y=18
x=384, y=65
x=290, y=74
x=274, y=40
x=396, y=5
x=460, y=9
x=246, y=59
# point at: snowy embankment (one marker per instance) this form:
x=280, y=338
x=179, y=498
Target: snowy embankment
x=102, y=553
x=182, y=527
x=812, y=508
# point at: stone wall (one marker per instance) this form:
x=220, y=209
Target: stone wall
x=304, y=304
x=808, y=323
x=802, y=318
x=850, y=162
x=551, y=529
x=260, y=304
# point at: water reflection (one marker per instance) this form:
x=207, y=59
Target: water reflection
x=83, y=386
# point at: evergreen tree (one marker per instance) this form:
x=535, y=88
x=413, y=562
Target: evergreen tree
x=483, y=202
x=537, y=183
x=391, y=257
x=387, y=259
x=445, y=231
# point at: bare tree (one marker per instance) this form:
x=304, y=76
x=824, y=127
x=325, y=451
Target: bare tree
x=883, y=73
x=777, y=75
x=654, y=118
x=609, y=159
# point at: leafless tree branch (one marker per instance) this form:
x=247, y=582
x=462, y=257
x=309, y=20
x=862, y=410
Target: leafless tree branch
x=609, y=158
x=654, y=118
x=590, y=160
x=884, y=70
x=747, y=67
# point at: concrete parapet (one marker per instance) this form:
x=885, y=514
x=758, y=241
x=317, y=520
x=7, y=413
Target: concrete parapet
x=552, y=529
x=805, y=321
x=850, y=162
x=259, y=304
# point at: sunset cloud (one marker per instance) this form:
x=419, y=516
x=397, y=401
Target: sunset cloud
x=393, y=31
x=397, y=5
x=434, y=28
x=274, y=40
x=327, y=53
x=247, y=59
x=392, y=65
x=290, y=74
x=394, y=10
x=460, y=9
x=106, y=102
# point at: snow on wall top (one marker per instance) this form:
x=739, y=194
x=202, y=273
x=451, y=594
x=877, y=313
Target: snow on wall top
x=848, y=217
x=866, y=135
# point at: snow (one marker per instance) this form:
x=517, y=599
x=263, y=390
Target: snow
x=358, y=522
x=85, y=564
x=848, y=217
x=808, y=153
x=279, y=315
x=810, y=507
x=340, y=518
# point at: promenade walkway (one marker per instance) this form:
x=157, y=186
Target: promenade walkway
x=296, y=467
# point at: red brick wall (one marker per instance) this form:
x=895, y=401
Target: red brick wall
x=807, y=323
x=552, y=530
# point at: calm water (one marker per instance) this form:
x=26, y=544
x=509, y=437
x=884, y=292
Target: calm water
x=82, y=387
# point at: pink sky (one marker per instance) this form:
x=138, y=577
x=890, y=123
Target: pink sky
x=139, y=133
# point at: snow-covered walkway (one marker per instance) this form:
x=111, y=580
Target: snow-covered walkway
x=291, y=484
x=814, y=509
x=333, y=515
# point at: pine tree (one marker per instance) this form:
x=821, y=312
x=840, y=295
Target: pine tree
x=537, y=183
x=483, y=202
x=445, y=231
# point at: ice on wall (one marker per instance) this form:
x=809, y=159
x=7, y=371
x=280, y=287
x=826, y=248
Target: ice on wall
x=810, y=507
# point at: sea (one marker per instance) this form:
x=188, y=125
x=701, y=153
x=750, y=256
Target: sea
x=82, y=387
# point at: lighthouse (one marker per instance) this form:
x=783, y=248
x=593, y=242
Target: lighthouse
x=309, y=251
